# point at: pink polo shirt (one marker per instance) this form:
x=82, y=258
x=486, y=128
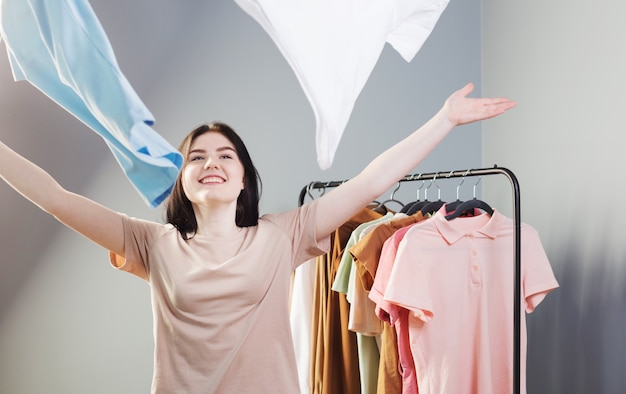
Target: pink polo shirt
x=456, y=279
x=394, y=314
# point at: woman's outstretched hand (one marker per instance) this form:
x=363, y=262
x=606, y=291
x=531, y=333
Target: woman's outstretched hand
x=461, y=109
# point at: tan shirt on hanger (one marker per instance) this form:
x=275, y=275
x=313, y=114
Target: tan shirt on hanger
x=366, y=254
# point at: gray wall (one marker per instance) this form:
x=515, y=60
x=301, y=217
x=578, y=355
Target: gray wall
x=564, y=63
x=71, y=324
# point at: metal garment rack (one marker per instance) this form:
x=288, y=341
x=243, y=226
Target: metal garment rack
x=517, y=235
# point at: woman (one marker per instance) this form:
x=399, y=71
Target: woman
x=219, y=274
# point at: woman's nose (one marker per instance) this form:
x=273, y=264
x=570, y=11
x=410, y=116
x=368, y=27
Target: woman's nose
x=210, y=163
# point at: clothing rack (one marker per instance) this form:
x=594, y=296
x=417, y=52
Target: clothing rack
x=495, y=170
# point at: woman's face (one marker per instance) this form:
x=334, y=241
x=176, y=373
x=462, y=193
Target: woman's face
x=213, y=172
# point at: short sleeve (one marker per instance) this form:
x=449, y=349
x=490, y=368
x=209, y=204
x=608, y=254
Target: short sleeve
x=299, y=225
x=138, y=236
x=537, y=275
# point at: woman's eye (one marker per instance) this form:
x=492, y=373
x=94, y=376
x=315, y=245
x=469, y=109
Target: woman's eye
x=226, y=157
x=195, y=158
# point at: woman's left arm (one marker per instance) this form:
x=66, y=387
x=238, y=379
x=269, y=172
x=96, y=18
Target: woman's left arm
x=340, y=204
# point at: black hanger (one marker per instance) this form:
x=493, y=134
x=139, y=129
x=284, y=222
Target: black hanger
x=408, y=206
x=383, y=205
x=432, y=207
x=415, y=207
x=418, y=205
x=469, y=206
x=452, y=206
x=377, y=206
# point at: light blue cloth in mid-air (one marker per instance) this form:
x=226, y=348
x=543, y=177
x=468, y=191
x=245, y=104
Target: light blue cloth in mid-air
x=60, y=47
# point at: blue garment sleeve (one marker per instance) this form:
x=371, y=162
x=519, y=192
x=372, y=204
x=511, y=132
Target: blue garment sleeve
x=60, y=47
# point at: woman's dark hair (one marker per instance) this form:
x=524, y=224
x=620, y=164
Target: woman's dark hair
x=179, y=211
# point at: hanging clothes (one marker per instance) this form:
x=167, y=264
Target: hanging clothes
x=365, y=329
x=392, y=314
x=300, y=319
x=334, y=354
x=60, y=47
x=366, y=254
x=333, y=46
x=454, y=278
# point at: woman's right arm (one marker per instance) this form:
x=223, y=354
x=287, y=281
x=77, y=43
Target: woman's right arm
x=96, y=222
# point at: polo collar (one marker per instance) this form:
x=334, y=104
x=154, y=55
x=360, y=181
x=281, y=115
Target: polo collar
x=455, y=229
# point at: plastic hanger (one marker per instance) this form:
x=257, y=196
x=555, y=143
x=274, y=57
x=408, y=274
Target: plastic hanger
x=405, y=209
x=383, y=205
x=433, y=206
x=418, y=205
x=452, y=206
x=309, y=187
x=470, y=205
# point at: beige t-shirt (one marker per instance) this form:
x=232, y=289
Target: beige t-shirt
x=221, y=318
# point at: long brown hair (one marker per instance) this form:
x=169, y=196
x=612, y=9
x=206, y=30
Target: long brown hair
x=179, y=211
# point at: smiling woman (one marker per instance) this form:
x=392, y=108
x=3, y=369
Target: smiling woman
x=215, y=144
x=219, y=274
x=212, y=161
x=53, y=281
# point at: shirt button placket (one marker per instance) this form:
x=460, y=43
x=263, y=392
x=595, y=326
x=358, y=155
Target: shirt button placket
x=474, y=262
